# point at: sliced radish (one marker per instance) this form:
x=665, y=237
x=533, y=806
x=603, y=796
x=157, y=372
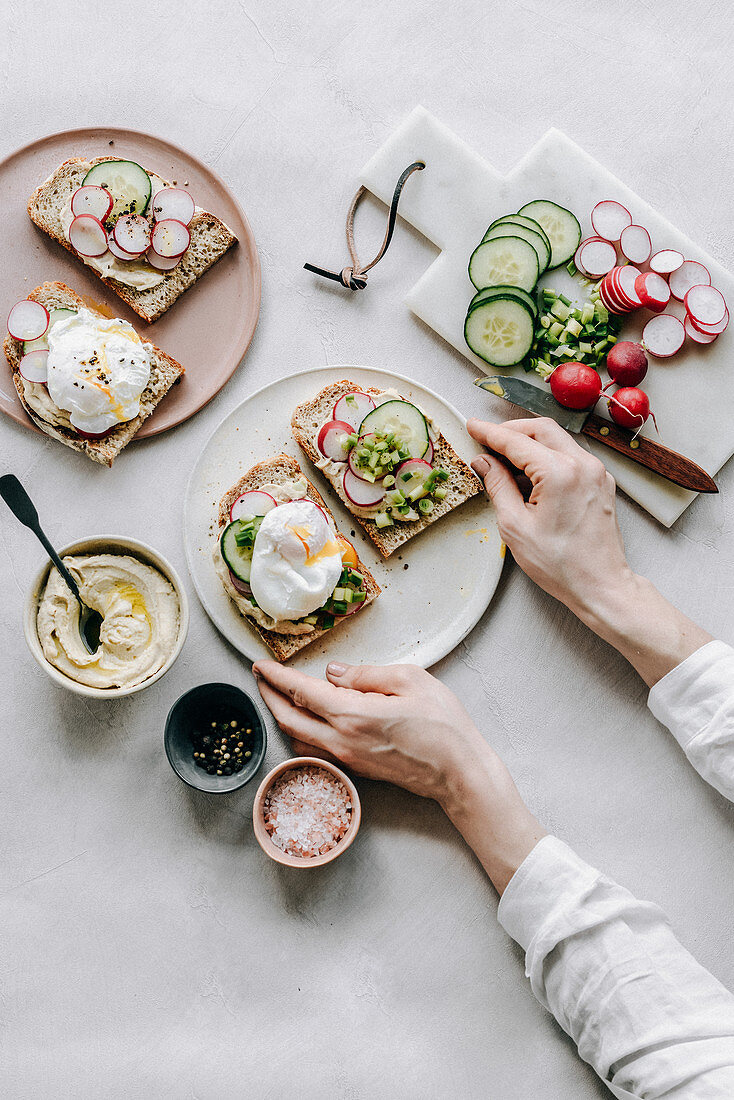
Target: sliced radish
x=652, y=290
x=428, y=456
x=635, y=244
x=331, y=440
x=666, y=261
x=690, y=273
x=353, y=407
x=597, y=257
x=352, y=460
x=242, y=586
x=577, y=259
x=711, y=330
x=412, y=468
x=34, y=365
x=170, y=238
x=610, y=219
x=362, y=493
x=162, y=263
x=610, y=296
x=132, y=233
x=663, y=335
x=87, y=236
x=96, y=201
x=253, y=503
x=117, y=252
x=27, y=320
x=705, y=304
x=625, y=283
x=696, y=335
x=173, y=202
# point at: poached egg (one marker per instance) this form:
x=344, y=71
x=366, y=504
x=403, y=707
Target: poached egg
x=296, y=561
x=97, y=369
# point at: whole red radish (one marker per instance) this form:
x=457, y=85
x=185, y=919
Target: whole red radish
x=575, y=385
x=627, y=363
x=630, y=407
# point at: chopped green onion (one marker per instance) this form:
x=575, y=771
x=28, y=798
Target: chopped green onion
x=425, y=507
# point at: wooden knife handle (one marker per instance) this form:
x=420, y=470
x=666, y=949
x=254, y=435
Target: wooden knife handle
x=669, y=464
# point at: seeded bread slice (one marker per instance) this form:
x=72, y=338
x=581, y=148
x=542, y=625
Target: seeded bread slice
x=210, y=239
x=462, y=484
x=277, y=471
x=164, y=372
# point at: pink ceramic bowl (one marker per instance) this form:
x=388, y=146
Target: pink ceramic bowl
x=258, y=820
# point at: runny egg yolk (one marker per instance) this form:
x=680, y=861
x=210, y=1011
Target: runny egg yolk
x=327, y=550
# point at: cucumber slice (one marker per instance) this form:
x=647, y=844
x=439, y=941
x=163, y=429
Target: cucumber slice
x=127, y=182
x=500, y=331
x=506, y=292
x=238, y=558
x=521, y=219
x=504, y=229
x=41, y=344
x=504, y=261
x=561, y=226
x=406, y=422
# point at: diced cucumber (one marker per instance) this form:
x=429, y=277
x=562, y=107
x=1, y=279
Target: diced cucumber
x=504, y=261
x=561, y=227
x=41, y=343
x=126, y=181
x=406, y=422
x=530, y=235
x=500, y=331
x=521, y=219
x=505, y=292
x=238, y=558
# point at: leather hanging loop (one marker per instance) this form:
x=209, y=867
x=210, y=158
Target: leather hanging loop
x=354, y=277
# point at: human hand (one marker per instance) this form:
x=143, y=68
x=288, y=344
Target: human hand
x=565, y=536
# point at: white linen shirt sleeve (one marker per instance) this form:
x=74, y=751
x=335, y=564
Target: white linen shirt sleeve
x=696, y=702
x=649, y=1019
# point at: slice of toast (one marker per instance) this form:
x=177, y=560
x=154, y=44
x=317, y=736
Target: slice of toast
x=276, y=471
x=210, y=239
x=164, y=372
x=463, y=483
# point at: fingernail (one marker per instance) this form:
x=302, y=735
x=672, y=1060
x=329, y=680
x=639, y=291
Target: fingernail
x=335, y=669
x=480, y=466
x=256, y=672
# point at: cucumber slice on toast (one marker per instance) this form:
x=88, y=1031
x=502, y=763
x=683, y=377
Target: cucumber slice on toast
x=126, y=181
x=238, y=558
x=504, y=261
x=533, y=237
x=500, y=331
x=506, y=292
x=41, y=343
x=560, y=225
x=406, y=422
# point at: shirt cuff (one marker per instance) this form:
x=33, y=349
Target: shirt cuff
x=545, y=881
x=689, y=696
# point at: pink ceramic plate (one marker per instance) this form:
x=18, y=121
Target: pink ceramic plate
x=208, y=329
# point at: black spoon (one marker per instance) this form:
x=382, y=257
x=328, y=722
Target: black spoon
x=22, y=507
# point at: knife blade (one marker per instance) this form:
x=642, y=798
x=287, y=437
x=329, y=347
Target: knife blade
x=645, y=452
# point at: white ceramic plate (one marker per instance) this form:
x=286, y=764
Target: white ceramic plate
x=434, y=589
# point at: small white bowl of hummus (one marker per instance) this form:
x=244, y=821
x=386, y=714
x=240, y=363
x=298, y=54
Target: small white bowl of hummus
x=144, y=610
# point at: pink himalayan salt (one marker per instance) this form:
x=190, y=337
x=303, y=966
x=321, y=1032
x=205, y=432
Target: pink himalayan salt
x=307, y=811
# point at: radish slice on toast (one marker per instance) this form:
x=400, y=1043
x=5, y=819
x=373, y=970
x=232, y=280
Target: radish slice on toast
x=162, y=263
x=132, y=233
x=331, y=440
x=666, y=261
x=117, y=252
x=696, y=335
x=705, y=304
x=610, y=219
x=174, y=203
x=34, y=366
x=353, y=408
x=635, y=244
x=87, y=236
x=362, y=493
x=170, y=238
x=27, y=320
x=242, y=586
x=597, y=257
x=96, y=201
x=254, y=502
x=690, y=273
x=652, y=290
x=663, y=335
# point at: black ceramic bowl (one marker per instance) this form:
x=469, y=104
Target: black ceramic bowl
x=193, y=713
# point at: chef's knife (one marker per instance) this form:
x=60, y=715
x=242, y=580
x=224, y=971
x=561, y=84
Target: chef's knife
x=676, y=468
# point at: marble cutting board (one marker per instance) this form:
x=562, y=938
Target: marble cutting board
x=453, y=201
